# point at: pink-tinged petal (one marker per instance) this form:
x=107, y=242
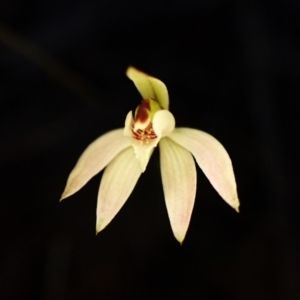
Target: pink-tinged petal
x=179, y=178
x=213, y=159
x=117, y=183
x=94, y=159
x=149, y=87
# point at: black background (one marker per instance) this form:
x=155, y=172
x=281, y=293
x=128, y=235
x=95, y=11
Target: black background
x=232, y=69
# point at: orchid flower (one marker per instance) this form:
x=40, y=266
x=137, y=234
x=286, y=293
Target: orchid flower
x=125, y=153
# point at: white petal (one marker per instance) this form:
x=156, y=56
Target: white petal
x=143, y=152
x=95, y=158
x=149, y=87
x=163, y=123
x=213, y=159
x=128, y=122
x=179, y=183
x=118, y=181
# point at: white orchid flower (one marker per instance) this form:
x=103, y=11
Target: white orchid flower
x=126, y=152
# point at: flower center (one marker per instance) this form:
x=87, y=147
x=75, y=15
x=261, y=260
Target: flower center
x=141, y=126
x=144, y=136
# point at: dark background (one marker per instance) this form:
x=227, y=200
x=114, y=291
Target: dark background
x=232, y=69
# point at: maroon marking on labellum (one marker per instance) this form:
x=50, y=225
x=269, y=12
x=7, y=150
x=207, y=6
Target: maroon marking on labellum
x=144, y=135
x=142, y=113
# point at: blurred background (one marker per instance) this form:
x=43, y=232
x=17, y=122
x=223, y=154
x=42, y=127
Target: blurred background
x=232, y=69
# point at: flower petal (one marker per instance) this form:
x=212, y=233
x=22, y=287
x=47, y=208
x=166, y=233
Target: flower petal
x=143, y=152
x=96, y=157
x=179, y=178
x=149, y=87
x=127, y=128
x=118, y=181
x=213, y=159
x=163, y=123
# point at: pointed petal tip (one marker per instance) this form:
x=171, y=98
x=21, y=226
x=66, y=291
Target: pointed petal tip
x=64, y=195
x=99, y=227
x=131, y=69
x=69, y=191
x=235, y=204
x=179, y=237
x=101, y=224
x=134, y=73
